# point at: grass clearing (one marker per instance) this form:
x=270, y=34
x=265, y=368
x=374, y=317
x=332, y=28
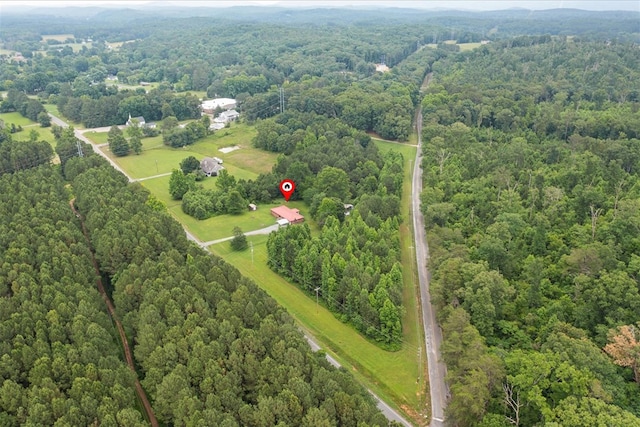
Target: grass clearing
x=97, y=137
x=53, y=109
x=16, y=118
x=156, y=158
x=220, y=226
x=412, y=332
x=44, y=134
x=58, y=37
x=464, y=47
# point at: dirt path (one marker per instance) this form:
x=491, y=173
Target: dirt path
x=112, y=312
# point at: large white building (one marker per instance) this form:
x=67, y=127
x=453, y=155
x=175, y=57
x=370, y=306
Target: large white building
x=211, y=105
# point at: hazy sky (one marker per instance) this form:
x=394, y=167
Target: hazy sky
x=633, y=5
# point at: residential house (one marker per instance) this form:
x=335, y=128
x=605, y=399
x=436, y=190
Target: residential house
x=210, y=167
x=227, y=116
x=291, y=215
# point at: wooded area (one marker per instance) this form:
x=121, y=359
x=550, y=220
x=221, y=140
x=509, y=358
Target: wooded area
x=531, y=203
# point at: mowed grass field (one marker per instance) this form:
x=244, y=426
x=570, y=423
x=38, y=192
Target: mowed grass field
x=16, y=118
x=156, y=158
x=412, y=332
x=58, y=37
x=44, y=134
x=395, y=376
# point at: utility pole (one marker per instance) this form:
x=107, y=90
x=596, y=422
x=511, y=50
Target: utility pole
x=251, y=245
x=157, y=171
x=317, y=289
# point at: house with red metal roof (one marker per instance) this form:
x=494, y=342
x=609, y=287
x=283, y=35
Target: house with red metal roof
x=291, y=215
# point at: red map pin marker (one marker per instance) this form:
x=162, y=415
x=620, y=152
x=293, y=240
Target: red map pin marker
x=286, y=188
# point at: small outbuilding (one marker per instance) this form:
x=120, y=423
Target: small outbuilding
x=253, y=207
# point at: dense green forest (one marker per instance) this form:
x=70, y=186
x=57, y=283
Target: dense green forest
x=59, y=357
x=531, y=205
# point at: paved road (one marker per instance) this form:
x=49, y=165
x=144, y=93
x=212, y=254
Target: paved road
x=432, y=332
x=79, y=134
x=266, y=230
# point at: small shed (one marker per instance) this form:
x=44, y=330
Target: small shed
x=253, y=207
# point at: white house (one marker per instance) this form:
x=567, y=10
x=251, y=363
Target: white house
x=227, y=116
x=210, y=106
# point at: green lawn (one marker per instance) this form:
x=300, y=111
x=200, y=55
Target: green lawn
x=220, y=226
x=412, y=332
x=16, y=118
x=53, y=109
x=468, y=46
x=97, y=137
x=156, y=158
x=44, y=134
x=58, y=37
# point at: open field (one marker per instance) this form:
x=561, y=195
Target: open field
x=412, y=333
x=468, y=46
x=58, y=37
x=151, y=85
x=16, y=118
x=463, y=46
x=97, y=137
x=44, y=134
x=156, y=158
x=53, y=109
x=117, y=45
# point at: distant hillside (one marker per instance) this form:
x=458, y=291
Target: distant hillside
x=497, y=24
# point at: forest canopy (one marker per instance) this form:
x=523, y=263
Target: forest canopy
x=531, y=204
